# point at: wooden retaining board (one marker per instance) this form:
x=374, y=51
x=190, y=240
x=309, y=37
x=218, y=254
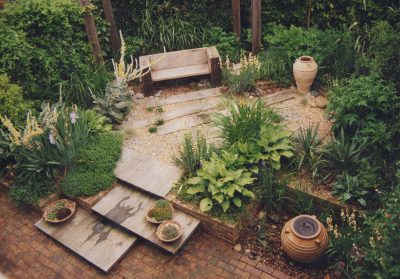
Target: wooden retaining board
x=98, y=243
x=146, y=173
x=127, y=207
x=278, y=97
x=185, y=97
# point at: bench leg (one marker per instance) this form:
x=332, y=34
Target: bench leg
x=216, y=74
x=147, y=83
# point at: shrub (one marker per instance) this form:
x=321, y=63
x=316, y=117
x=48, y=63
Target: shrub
x=96, y=122
x=244, y=121
x=29, y=192
x=6, y=156
x=242, y=79
x=226, y=43
x=192, y=152
x=12, y=103
x=367, y=105
x=94, y=170
x=308, y=145
x=276, y=65
x=53, y=55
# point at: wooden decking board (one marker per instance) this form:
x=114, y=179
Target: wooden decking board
x=127, y=207
x=278, y=97
x=173, y=114
x=185, y=97
x=99, y=243
x=147, y=173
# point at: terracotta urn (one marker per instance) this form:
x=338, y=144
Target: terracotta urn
x=304, y=238
x=305, y=71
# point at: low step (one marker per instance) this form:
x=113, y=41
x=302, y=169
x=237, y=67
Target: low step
x=185, y=97
x=95, y=241
x=147, y=173
x=127, y=208
x=278, y=97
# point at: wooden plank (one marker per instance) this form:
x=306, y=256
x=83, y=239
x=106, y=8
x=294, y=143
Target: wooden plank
x=99, y=243
x=148, y=174
x=127, y=208
x=177, y=59
x=180, y=72
x=278, y=97
x=186, y=97
x=255, y=25
x=173, y=114
x=236, y=17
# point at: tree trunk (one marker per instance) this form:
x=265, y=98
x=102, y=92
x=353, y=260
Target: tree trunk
x=107, y=8
x=255, y=25
x=236, y=17
x=91, y=31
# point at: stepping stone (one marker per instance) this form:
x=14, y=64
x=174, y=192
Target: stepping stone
x=146, y=173
x=98, y=243
x=279, y=97
x=127, y=208
x=170, y=115
x=184, y=97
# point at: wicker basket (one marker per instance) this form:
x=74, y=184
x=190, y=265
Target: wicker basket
x=67, y=204
x=167, y=223
x=151, y=219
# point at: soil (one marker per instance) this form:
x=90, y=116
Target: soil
x=265, y=246
x=63, y=213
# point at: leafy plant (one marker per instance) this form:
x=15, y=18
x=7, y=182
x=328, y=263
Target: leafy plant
x=162, y=211
x=244, y=121
x=342, y=154
x=116, y=102
x=30, y=191
x=242, y=78
x=276, y=65
x=94, y=167
x=153, y=129
x=192, y=152
x=159, y=122
x=6, y=156
x=222, y=181
x=226, y=43
x=96, y=122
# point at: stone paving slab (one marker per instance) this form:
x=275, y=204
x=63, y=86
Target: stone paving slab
x=146, y=173
x=127, y=208
x=278, y=97
x=195, y=95
x=95, y=241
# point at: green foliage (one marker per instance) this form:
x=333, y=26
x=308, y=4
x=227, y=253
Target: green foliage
x=342, y=154
x=276, y=66
x=115, y=104
x=369, y=111
x=152, y=129
x=161, y=211
x=226, y=43
x=159, y=122
x=96, y=122
x=222, y=181
x=29, y=192
x=383, y=225
x=12, y=103
x=79, y=87
x=244, y=120
x=94, y=167
x=192, y=152
x=134, y=46
x=6, y=156
x=53, y=55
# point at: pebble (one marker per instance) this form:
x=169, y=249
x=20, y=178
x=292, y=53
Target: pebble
x=158, y=94
x=247, y=251
x=274, y=226
x=314, y=93
x=237, y=247
x=258, y=258
x=261, y=215
x=139, y=95
x=274, y=218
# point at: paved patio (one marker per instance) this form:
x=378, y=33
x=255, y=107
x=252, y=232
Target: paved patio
x=27, y=253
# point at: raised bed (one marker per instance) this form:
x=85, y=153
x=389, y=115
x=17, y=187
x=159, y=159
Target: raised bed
x=230, y=232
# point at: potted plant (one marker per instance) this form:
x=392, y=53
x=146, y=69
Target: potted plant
x=159, y=212
x=169, y=231
x=59, y=211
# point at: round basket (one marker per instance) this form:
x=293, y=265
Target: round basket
x=51, y=207
x=162, y=227
x=151, y=219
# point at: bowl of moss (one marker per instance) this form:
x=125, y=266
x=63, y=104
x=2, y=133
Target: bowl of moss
x=159, y=212
x=59, y=211
x=169, y=231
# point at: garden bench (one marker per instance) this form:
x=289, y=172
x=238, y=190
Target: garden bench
x=181, y=64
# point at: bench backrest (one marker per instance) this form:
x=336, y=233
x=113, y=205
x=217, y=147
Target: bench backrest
x=177, y=59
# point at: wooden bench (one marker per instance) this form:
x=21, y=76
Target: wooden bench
x=181, y=64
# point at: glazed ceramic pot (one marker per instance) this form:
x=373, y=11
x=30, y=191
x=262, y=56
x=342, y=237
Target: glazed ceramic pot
x=304, y=238
x=305, y=71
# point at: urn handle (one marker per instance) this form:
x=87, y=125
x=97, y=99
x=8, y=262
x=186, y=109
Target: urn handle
x=318, y=241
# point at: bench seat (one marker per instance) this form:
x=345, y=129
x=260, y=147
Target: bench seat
x=181, y=72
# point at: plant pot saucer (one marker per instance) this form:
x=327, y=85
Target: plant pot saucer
x=162, y=227
x=68, y=204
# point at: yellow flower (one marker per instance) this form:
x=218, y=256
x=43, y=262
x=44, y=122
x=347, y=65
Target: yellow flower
x=15, y=136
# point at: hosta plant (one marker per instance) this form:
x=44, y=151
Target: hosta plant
x=221, y=181
x=96, y=122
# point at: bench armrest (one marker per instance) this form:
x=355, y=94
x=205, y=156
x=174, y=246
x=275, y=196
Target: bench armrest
x=147, y=81
x=214, y=66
